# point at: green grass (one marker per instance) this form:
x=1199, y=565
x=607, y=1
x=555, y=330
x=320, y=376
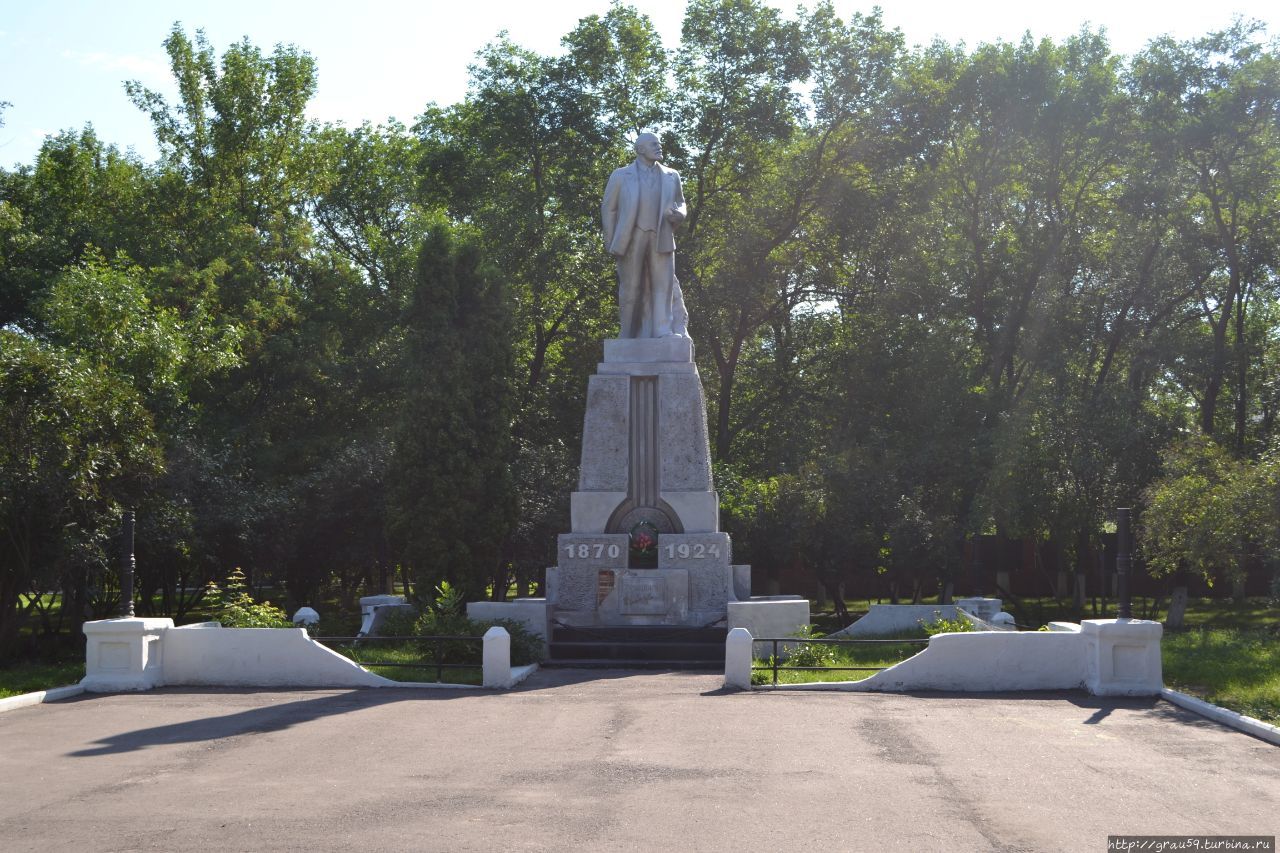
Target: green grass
x=29, y=677
x=879, y=655
x=409, y=651
x=1235, y=668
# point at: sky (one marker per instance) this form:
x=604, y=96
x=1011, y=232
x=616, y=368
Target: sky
x=63, y=63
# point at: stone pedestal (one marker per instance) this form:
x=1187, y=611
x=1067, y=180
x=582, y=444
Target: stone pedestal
x=1122, y=657
x=124, y=654
x=646, y=464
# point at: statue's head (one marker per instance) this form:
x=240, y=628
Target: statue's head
x=648, y=146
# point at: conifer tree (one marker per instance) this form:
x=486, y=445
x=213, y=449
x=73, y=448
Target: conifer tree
x=453, y=501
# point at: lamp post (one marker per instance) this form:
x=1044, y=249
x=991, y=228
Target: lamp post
x=1124, y=560
x=126, y=565
x=975, y=568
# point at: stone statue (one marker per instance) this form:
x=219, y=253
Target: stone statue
x=643, y=202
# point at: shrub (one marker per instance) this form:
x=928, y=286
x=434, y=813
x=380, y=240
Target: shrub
x=236, y=608
x=526, y=647
x=810, y=654
x=400, y=622
x=939, y=625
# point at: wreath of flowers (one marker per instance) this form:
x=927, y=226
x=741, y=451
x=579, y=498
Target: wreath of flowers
x=644, y=539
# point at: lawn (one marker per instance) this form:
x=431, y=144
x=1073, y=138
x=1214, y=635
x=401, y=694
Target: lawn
x=382, y=656
x=1232, y=667
x=29, y=677
x=864, y=660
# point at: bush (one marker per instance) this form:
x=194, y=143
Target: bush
x=236, y=608
x=810, y=654
x=526, y=647
x=400, y=622
x=939, y=625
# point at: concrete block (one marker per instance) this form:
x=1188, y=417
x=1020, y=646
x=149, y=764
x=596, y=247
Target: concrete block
x=645, y=350
x=769, y=615
x=737, y=659
x=646, y=368
x=589, y=512
x=497, y=658
x=1123, y=656
x=534, y=614
x=983, y=662
x=983, y=608
x=685, y=450
x=306, y=616
x=592, y=550
x=645, y=597
x=693, y=550
x=699, y=512
x=124, y=654
x=605, y=431
x=258, y=657
x=886, y=619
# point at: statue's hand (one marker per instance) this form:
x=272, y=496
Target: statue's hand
x=675, y=215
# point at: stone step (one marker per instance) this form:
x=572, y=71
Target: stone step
x=638, y=646
x=600, y=650
x=654, y=665
x=638, y=634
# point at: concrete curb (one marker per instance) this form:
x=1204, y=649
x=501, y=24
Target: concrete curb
x=1218, y=714
x=53, y=694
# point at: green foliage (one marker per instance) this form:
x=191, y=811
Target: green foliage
x=811, y=654
x=236, y=608
x=1238, y=669
x=398, y=623
x=1210, y=512
x=30, y=677
x=937, y=292
x=940, y=625
x=453, y=497
x=526, y=648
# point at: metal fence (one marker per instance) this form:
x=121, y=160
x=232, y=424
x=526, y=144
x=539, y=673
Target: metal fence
x=435, y=644
x=776, y=663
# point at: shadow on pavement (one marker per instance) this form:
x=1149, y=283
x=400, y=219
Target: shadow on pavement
x=268, y=718
x=273, y=718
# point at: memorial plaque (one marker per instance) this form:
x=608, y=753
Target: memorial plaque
x=643, y=595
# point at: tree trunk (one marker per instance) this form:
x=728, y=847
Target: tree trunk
x=1177, y=607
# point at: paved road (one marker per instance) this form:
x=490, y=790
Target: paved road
x=620, y=761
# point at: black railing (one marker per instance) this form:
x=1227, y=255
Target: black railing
x=775, y=663
x=437, y=647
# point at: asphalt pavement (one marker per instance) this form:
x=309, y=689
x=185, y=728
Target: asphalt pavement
x=616, y=760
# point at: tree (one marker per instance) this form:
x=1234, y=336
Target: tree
x=1211, y=514
x=453, y=504
x=75, y=445
x=1215, y=103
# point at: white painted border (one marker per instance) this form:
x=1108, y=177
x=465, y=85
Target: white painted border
x=1218, y=714
x=53, y=694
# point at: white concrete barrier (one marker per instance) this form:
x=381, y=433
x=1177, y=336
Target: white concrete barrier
x=1108, y=657
x=533, y=613
x=138, y=654
x=770, y=615
x=258, y=657
x=738, y=659
x=888, y=619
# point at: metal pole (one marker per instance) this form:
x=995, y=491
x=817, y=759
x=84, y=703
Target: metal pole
x=1124, y=559
x=975, y=568
x=127, y=564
